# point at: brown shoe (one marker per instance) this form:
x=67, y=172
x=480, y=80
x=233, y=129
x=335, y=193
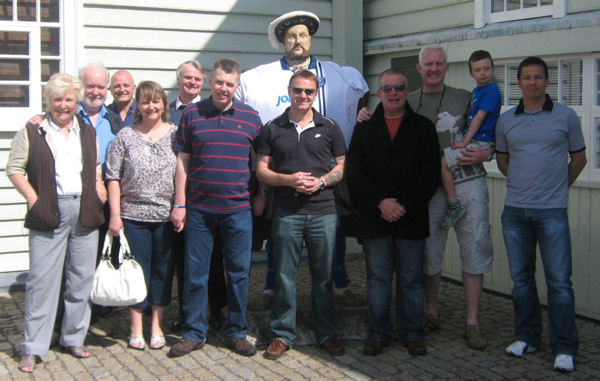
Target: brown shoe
x=333, y=346
x=241, y=347
x=183, y=347
x=417, y=348
x=275, y=350
x=374, y=347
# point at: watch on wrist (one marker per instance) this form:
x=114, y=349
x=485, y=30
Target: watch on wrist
x=321, y=184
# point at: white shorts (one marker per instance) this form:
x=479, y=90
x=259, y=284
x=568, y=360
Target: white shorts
x=472, y=231
x=452, y=155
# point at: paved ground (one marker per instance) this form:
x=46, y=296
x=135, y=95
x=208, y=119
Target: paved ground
x=448, y=357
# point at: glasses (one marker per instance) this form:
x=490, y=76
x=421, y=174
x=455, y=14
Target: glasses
x=308, y=92
x=388, y=89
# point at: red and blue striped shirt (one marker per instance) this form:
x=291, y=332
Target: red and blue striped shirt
x=219, y=143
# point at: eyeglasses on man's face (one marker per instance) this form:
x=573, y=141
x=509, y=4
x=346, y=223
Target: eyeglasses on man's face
x=388, y=88
x=309, y=92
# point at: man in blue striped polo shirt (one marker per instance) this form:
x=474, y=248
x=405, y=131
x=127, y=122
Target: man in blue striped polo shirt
x=211, y=198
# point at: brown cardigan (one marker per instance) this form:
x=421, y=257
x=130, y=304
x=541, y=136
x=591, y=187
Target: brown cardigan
x=41, y=174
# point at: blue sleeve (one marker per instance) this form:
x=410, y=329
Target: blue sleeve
x=490, y=98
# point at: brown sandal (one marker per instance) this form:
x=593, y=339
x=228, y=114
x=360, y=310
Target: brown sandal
x=27, y=363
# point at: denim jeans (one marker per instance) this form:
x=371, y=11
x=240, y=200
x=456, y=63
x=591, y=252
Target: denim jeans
x=235, y=231
x=340, y=276
x=523, y=229
x=384, y=255
x=151, y=244
x=288, y=232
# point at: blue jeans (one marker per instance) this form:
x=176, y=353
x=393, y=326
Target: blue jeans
x=523, y=229
x=288, y=232
x=235, y=231
x=151, y=244
x=384, y=255
x=340, y=276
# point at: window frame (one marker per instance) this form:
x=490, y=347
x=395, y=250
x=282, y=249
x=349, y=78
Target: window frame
x=69, y=51
x=484, y=15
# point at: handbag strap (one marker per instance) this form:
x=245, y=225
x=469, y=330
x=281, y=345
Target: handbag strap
x=125, y=251
x=106, y=249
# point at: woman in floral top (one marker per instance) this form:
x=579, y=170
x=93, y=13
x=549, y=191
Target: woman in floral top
x=140, y=175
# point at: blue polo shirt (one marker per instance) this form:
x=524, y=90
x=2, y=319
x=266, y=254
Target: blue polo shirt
x=538, y=143
x=103, y=128
x=219, y=143
x=129, y=119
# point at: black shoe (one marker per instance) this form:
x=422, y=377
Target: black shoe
x=183, y=347
x=374, y=347
x=417, y=348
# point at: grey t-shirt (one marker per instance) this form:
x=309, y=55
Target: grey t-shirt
x=448, y=110
x=539, y=144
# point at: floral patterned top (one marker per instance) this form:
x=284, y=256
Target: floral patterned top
x=146, y=172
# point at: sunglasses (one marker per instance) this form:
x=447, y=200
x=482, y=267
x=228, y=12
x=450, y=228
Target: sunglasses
x=309, y=92
x=388, y=89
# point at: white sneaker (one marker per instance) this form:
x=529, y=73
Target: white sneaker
x=520, y=348
x=564, y=363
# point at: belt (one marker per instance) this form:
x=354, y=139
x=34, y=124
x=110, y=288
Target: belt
x=70, y=197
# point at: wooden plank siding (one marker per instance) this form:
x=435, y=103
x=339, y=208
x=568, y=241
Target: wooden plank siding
x=150, y=39
x=428, y=21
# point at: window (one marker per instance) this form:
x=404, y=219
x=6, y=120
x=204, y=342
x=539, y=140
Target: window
x=566, y=81
x=493, y=11
x=31, y=50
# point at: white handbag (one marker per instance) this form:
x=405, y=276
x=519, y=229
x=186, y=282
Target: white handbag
x=124, y=286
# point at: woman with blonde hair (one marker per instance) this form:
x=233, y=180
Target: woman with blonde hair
x=56, y=167
x=141, y=186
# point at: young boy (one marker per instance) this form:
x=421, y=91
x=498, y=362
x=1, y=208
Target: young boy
x=484, y=112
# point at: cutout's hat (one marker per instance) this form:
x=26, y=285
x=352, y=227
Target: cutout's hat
x=278, y=26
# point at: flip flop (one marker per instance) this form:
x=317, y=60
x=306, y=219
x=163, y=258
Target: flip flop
x=157, y=342
x=137, y=342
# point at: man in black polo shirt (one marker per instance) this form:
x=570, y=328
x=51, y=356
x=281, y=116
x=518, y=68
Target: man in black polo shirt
x=296, y=151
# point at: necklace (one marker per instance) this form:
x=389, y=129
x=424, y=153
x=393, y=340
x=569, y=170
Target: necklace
x=439, y=106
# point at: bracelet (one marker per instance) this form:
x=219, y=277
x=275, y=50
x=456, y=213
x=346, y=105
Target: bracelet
x=178, y=206
x=261, y=192
x=100, y=181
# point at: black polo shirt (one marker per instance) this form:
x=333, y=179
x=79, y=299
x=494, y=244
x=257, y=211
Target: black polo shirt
x=311, y=151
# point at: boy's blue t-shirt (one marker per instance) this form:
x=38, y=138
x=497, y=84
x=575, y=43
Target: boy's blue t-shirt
x=486, y=98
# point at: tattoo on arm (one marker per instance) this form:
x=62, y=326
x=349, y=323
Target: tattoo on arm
x=333, y=177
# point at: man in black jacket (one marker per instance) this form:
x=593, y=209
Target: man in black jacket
x=393, y=170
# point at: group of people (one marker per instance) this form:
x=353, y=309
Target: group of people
x=176, y=177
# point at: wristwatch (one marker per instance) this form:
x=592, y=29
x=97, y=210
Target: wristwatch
x=321, y=184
